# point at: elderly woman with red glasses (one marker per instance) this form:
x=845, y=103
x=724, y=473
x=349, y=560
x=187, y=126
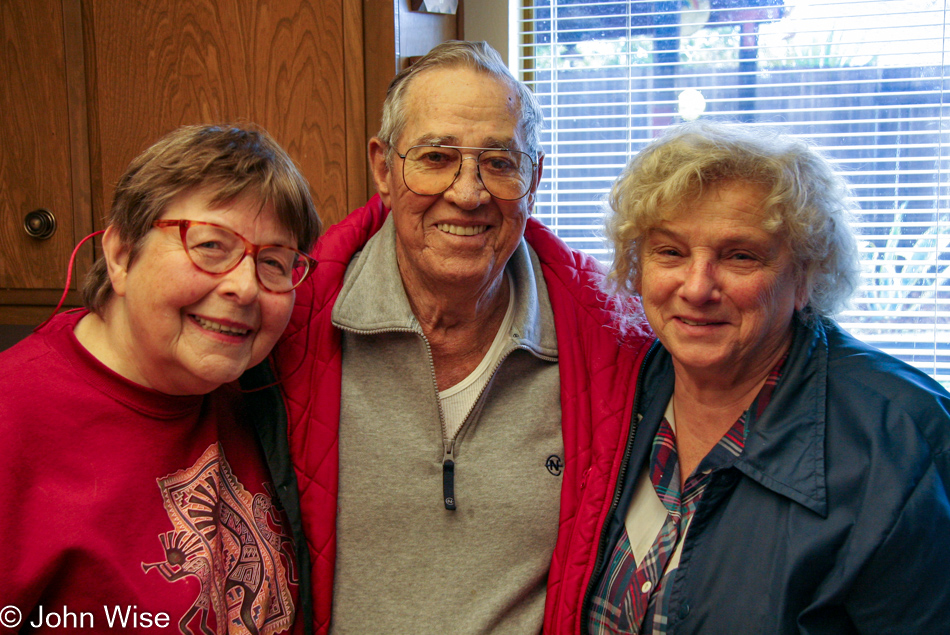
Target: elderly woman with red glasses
x=136, y=494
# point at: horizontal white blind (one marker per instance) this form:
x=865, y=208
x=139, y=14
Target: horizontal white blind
x=867, y=80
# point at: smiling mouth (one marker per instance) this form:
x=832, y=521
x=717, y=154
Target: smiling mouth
x=219, y=328
x=459, y=230
x=692, y=323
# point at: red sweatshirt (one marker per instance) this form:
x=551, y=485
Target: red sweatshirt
x=128, y=510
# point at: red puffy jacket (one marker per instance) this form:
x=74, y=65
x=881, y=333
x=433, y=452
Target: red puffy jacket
x=598, y=370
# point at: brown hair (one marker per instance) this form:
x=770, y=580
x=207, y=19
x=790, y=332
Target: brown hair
x=226, y=161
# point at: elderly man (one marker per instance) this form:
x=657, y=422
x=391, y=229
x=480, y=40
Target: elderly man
x=451, y=374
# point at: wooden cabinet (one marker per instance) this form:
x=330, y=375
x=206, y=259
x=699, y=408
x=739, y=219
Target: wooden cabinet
x=43, y=164
x=91, y=83
x=88, y=84
x=282, y=64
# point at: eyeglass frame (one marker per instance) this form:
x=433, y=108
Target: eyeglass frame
x=478, y=170
x=249, y=248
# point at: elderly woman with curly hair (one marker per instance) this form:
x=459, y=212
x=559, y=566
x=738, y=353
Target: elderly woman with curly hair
x=779, y=476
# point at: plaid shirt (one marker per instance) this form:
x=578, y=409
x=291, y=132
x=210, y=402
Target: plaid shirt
x=634, y=597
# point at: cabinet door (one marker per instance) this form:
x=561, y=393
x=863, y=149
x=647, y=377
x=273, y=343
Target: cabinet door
x=159, y=64
x=88, y=84
x=35, y=154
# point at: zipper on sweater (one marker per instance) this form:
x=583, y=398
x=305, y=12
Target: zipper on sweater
x=449, y=445
x=621, y=477
x=448, y=475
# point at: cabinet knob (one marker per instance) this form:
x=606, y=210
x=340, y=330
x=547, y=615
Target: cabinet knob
x=40, y=224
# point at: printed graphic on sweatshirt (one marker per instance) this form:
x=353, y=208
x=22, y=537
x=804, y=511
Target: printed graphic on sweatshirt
x=232, y=542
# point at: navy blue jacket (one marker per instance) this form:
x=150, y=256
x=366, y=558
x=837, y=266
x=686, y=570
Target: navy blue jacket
x=834, y=519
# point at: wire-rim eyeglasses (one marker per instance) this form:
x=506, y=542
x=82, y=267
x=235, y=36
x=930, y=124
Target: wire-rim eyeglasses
x=431, y=169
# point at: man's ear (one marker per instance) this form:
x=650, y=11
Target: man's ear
x=116, y=253
x=381, y=171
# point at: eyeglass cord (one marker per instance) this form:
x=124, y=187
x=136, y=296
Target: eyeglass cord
x=69, y=278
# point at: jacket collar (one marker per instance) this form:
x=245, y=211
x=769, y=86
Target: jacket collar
x=373, y=298
x=785, y=447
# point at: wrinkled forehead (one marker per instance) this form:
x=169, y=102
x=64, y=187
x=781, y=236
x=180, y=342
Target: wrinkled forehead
x=464, y=107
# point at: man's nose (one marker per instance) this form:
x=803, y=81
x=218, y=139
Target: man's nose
x=468, y=191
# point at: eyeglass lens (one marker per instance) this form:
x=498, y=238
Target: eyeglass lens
x=430, y=170
x=218, y=250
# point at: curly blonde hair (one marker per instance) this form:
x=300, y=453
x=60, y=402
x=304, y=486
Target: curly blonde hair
x=807, y=202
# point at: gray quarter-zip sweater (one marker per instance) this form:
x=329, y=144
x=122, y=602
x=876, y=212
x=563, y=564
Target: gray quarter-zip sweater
x=406, y=563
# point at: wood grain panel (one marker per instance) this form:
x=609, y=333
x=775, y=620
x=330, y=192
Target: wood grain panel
x=88, y=84
x=79, y=138
x=357, y=163
x=380, y=62
x=28, y=315
x=160, y=64
x=35, y=156
x=392, y=33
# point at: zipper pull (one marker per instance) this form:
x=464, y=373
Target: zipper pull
x=448, y=477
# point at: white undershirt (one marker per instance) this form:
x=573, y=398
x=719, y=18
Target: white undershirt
x=647, y=514
x=458, y=400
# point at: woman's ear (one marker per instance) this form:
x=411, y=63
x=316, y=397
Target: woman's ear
x=803, y=293
x=638, y=279
x=116, y=253
x=801, y=299
x=803, y=290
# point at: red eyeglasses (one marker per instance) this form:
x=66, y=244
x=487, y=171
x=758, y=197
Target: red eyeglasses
x=218, y=250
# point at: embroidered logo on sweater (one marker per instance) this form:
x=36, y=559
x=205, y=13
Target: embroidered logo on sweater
x=232, y=542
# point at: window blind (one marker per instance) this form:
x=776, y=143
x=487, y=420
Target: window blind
x=867, y=80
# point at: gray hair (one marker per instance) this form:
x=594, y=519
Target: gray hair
x=478, y=56
x=807, y=202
